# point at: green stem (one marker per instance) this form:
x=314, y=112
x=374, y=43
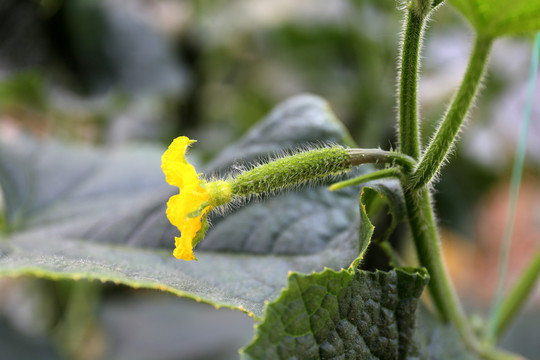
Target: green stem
x=518, y=295
x=376, y=175
x=377, y=156
x=418, y=202
x=491, y=353
x=426, y=239
x=446, y=134
x=408, y=79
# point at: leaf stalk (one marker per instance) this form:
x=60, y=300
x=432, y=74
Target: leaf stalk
x=378, y=156
x=446, y=134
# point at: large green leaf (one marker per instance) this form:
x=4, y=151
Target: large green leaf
x=494, y=18
x=350, y=314
x=100, y=214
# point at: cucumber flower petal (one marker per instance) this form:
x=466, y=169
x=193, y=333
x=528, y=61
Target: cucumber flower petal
x=189, y=209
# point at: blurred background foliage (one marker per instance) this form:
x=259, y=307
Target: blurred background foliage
x=112, y=72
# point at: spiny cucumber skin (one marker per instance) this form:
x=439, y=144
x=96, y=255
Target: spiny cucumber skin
x=292, y=171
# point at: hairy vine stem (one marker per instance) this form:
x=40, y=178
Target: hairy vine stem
x=446, y=134
x=408, y=79
x=428, y=249
x=418, y=199
x=378, y=156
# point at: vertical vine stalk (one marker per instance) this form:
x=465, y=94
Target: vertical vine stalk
x=408, y=79
x=418, y=199
x=426, y=238
x=418, y=202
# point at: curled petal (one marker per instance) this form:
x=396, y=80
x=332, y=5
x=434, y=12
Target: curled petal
x=178, y=172
x=193, y=231
x=183, y=250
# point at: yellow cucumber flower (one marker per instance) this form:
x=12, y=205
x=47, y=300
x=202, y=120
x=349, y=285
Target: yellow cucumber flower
x=188, y=210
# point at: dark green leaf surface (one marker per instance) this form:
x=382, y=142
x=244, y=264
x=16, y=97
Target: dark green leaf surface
x=494, y=18
x=350, y=314
x=223, y=279
x=84, y=213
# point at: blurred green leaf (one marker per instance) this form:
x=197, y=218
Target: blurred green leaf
x=23, y=89
x=173, y=328
x=106, y=47
x=86, y=213
x=348, y=314
x=494, y=18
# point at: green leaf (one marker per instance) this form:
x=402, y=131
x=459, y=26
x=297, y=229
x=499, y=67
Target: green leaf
x=173, y=329
x=494, y=18
x=379, y=198
x=350, y=314
x=75, y=212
